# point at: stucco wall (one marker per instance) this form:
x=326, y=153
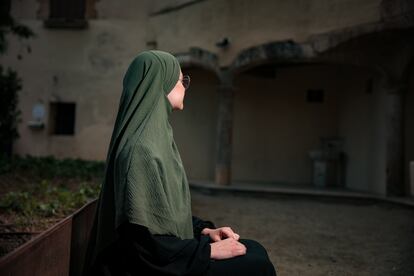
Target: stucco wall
x=355, y=125
x=82, y=66
x=275, y=128
x=87, y=66
x=248, y=23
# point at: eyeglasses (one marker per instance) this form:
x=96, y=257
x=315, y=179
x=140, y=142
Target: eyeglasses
x=185, y=81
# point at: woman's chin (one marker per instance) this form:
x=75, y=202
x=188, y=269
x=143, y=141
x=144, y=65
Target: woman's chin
x=178, y=107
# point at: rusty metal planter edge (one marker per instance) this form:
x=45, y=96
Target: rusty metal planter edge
x=59, y=250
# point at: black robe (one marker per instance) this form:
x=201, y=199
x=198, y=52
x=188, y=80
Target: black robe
x=138, y=252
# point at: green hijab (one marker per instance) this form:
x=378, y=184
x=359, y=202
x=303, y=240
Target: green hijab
x=145, y=182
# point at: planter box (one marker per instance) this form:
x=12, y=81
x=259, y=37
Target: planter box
x=82, y=222
x=59, y=250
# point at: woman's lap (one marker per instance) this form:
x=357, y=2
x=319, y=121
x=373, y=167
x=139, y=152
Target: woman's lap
x=254, y=262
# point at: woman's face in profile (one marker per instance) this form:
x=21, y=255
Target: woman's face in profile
x=176, y=95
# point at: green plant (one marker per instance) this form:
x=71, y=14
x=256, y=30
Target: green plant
x=50, y=167
x=15, y=201
x=49, y=187
x=46, y=199
x=10, y=83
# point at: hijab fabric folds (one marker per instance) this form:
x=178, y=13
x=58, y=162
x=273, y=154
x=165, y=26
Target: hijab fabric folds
x=145, y=182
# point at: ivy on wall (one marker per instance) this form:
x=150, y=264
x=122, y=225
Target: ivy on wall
x=10, y=83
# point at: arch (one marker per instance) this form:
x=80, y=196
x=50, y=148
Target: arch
x=197, y=57
x=313, y=48
x=398, y=19
x=195, y=128
x=281, y=51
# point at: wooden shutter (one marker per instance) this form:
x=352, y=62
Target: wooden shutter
x=67, y=9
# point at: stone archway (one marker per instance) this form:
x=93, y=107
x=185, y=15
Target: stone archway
x=195, y=128
x=197, y=57
x=387, y=52
x=278, y=51
x=340, y=47
x=223, y=132
x=330, y=48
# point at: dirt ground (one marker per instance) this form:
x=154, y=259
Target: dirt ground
x=314, y=237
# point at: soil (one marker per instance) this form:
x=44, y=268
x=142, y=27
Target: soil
x=12, y=235
x=16, y=229
x=314, y=237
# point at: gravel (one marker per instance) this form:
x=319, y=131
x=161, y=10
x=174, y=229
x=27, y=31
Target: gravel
x=318, y=237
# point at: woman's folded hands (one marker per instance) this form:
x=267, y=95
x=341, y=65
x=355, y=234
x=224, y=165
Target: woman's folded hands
x=226, y=244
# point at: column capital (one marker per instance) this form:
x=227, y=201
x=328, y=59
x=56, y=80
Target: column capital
x=226, y=79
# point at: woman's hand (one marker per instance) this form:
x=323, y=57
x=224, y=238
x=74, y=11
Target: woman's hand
x=220, y=233
x=226, y=249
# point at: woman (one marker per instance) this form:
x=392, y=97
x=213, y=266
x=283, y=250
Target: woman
x=143, y=224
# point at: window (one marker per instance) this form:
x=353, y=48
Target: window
x=66, y=14
x=315, y=96
x=62, y=118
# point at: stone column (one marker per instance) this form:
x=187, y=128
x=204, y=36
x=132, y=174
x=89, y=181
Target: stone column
x=394, y=141
x=224, y=131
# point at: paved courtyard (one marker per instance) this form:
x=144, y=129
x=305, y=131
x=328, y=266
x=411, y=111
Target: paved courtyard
x=319, y=237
